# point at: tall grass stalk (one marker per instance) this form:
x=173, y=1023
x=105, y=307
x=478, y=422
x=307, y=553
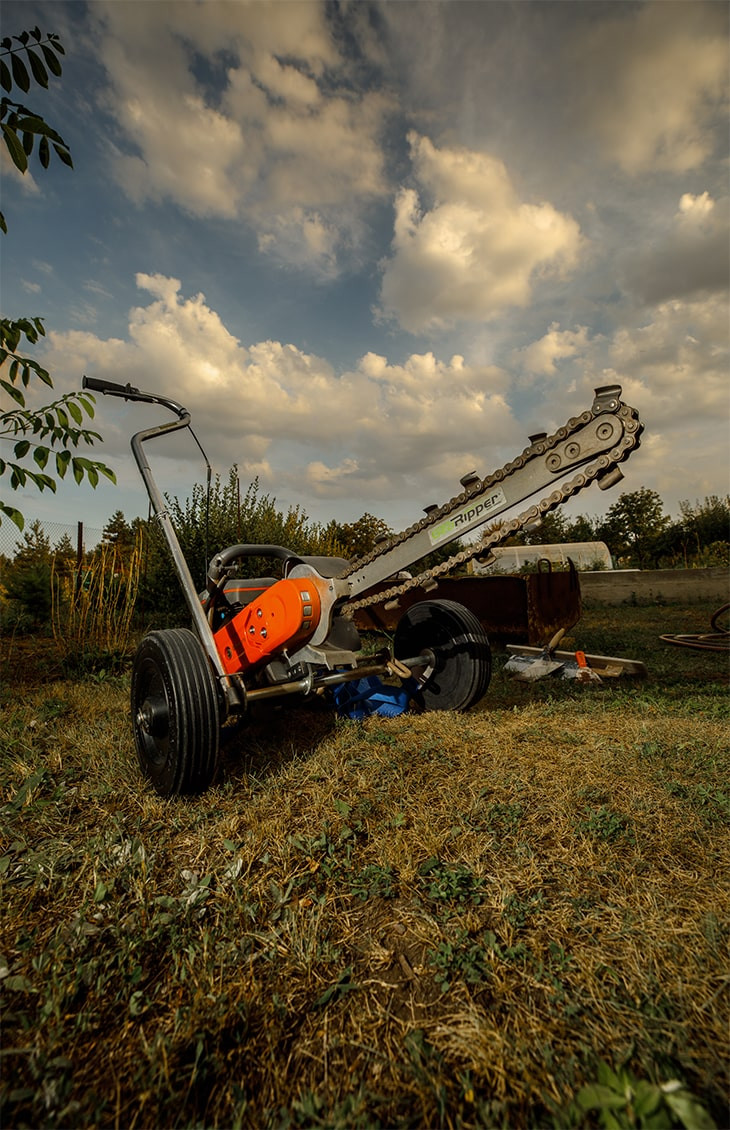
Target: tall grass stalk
x=92, y=608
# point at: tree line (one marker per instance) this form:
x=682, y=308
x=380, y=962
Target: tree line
x=640, y=534
x=636, y=529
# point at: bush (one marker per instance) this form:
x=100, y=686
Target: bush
x=205, y=525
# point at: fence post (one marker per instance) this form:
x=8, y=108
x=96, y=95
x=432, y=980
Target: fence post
x=79, y=553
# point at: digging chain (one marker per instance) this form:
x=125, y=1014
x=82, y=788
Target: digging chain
x=589, y=474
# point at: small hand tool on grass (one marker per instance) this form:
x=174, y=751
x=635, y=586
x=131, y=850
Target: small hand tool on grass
x=529, y=668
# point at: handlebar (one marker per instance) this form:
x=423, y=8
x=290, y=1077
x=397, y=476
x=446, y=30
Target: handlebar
x=129, y=392
x=109, y=388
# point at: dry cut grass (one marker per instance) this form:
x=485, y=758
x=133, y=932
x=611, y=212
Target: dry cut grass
x=424, y=921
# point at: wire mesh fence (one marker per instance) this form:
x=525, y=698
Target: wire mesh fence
x=58, y=535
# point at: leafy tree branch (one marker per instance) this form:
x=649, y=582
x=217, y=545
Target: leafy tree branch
x=43, y=436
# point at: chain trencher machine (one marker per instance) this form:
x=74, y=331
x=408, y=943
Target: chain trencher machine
x=270, y=638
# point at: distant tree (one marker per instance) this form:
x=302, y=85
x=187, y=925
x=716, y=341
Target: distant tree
x=633, y=526
x=205, y=524
x=581, y=529
x=707, y=522
x=360, y=537
x=119, y=536
x=117, y=530
x=701, y=535
x=60, y=423
x=64, y=556
x=27, y=580
x=552, y=530
x=64, y=547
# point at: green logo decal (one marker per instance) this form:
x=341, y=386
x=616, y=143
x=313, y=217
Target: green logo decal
x=468, y=517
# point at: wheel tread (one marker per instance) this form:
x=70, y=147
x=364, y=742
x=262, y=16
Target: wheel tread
x=194, y=724
x=459, y=640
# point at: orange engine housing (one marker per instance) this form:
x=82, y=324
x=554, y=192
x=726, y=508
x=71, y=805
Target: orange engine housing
x=285, y=614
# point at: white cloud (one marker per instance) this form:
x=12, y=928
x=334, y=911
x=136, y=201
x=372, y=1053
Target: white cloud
x=302, y=239
x=676, y=364
x=652, y=78
x=278, y=137
x=9, y=169
x=687, y=253
x=696, y=206
x=555, y=345
x=391, y=437
x=376, y=431
x=473, y=248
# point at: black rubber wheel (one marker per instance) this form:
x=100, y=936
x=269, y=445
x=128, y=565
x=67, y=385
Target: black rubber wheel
x=175, y=713
x=456, y=673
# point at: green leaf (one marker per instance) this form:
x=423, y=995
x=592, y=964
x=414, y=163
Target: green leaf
x=75, y=411
x=93, y=476
x=647, y=1098
x=107, y=471
x=13, y=514
x=27, y=143
x=5, y=80
x=3, y=225
x=691, y=1114
x=34, y=123
x=77, y=470
x=21, y=77
x=15, y=149
x=40, y=74
x=597, y=1097
x=342, y=985
x=41, y=456
x=14, y=392
x=44, y=152
x=609, y=1078
x=21, y=449
x=64, y=155
x=18, y=984
x=63, y=458
x=51, y=60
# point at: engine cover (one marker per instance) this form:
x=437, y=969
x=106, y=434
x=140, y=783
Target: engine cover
x=285, y=616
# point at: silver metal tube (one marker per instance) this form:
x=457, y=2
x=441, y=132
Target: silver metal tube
x=202, y=627
x=308, y=685
x=299, y=686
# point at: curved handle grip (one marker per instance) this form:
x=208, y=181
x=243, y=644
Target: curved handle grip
x=129, y=392
x=109, y=388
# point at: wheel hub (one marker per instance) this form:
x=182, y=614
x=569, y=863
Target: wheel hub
x=153, y=717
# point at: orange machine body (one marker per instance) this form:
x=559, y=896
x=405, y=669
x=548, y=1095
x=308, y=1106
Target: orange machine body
x=285, y=614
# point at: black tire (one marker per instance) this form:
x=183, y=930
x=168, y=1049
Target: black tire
x=175, y=713
x=462, y=659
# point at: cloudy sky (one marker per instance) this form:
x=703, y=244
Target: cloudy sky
x=373, y=246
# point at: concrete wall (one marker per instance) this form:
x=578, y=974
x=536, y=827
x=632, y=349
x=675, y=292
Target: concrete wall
x=676, y=586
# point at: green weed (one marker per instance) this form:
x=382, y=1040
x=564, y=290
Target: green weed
x=453, y=884
x=462, y=959
x=623, y=1102
x=604, y=824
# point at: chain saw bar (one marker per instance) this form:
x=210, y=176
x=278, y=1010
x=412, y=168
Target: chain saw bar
x=606, y=435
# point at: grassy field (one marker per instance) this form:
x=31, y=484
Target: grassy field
x=515, y=917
